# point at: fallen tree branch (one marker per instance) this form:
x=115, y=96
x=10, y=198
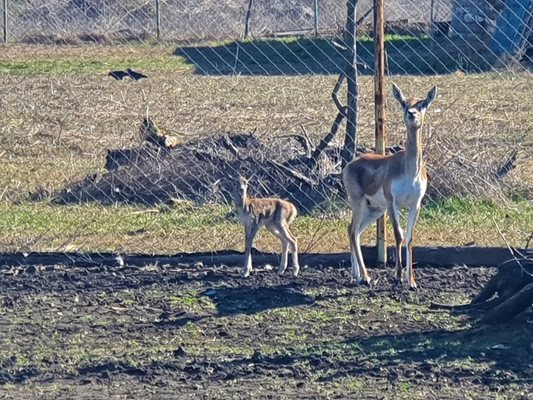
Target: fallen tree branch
x=295, y=174
x=508, y=165
x=469, y=307
x=324, y=143
x=511, y=307
x=509, y=279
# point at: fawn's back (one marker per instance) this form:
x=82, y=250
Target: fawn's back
x=266, y=211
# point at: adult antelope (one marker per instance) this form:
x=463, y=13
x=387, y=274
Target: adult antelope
x=275, y=214
x=377, y=183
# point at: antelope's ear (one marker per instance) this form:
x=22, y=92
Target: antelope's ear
x=398, y=95
x=432, y=95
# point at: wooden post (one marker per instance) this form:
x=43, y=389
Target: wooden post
x=158, y=19
x=379, y=104
x=315, y=17
x=5, y=23
x=350, y=140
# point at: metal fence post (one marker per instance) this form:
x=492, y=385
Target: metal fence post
x=5, y=22
x=315, y=17
x=158, y=19
x=247, y=20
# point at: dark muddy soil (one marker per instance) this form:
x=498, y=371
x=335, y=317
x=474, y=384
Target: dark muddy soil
x=196, y=332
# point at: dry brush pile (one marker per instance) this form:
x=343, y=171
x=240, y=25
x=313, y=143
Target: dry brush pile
x=164, y=170
x=202, y=170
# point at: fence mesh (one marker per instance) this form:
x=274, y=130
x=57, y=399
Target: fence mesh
x=101, y=161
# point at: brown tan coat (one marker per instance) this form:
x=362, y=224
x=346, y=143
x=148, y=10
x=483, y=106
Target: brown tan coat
x=378, y=183
x=275, y=214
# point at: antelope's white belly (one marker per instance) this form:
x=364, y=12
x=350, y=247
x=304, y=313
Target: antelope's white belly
x=408, y=192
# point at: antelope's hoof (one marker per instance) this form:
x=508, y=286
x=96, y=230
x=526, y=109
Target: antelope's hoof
x=361, y=282
x=246, y=273
x=281, y=271
x=295, y=272
x=411, y=287
x=365, y=282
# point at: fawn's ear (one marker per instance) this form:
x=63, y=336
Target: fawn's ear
x=398, y=95
x=432, y=95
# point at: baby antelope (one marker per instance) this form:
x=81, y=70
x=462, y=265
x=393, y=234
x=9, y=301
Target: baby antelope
x=275, y=214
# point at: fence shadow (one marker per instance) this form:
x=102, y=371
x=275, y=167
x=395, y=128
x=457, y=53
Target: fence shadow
x=406, y=55
x=488, y=356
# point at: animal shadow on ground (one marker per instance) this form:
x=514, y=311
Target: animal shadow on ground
x=252, y=300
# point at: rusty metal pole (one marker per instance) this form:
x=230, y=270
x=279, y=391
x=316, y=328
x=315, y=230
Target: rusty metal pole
x=379, y=104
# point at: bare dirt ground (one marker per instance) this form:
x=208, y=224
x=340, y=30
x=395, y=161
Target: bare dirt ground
x=204, y=332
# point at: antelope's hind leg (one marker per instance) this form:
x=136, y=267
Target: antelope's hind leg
x=366, y=215
x=356, y=273
x=359, y=272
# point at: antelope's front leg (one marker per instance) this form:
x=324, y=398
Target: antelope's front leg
x=398, y=236
x=411, y=222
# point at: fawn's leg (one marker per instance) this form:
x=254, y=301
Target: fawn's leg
x=278, y=232
x=293, y=246
x=250, y=232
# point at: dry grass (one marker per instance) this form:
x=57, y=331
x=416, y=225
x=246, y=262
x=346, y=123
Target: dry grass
x=57, y=127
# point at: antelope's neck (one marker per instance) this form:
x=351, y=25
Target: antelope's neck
x=241, y=202
x=414, y=161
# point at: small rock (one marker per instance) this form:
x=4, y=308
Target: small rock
x=119, y=260
x=32, y=269
x=179, y=352
x=257, y=356
x=198, y=264
x=165, y=315
x=499, y=347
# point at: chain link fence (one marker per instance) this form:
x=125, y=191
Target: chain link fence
x=98, y=158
